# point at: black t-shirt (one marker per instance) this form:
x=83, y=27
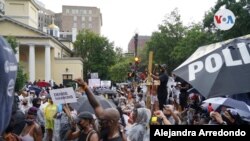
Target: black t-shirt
x=162, y=89
x=115, y=139
x=83, y=136
x=105, y=138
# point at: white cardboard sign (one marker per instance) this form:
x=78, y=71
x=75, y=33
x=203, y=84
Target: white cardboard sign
x=105, y=83
x=62, y=96
x=94, y=83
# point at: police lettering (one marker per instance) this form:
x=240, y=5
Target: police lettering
x=214, y=62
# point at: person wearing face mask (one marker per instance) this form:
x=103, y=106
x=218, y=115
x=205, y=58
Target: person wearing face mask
x=85, y=122
x=32, y=131
x=40, y=116
x=110, y=128
x=50, y=112
x=25, y=106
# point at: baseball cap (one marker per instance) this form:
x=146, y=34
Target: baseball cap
x=8, y=71
x=84, y=115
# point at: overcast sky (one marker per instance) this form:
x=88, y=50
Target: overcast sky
x=122, y=18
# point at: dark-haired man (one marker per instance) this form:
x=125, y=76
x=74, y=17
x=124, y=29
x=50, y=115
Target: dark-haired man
x=109, y=118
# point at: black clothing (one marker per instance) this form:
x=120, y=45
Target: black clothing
x=162, y=90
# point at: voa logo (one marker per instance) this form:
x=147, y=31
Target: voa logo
x=224, y=19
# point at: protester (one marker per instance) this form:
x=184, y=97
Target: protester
x=183, y=95
x=169, y=112
x=25, y=105
x=85, y=121
x=50, y=112
x=159, y=119
x=162, y=89
x=141, y=102
x=44, y=102
x=32, y=131
x=140, y=129
x=231, y=117
x=9, y=135
x=216, y=119
x=110, y=129
x=40, y=116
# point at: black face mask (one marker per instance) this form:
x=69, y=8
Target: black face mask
x=29, y=121
x=104, y=133
x=25, y=104
x=104, y=129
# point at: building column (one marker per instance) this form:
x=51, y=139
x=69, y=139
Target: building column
x=47, y=63
x=32, y=64
x=17, y=53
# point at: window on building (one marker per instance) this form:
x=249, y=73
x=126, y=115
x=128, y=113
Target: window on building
x=51, y=32
x=67, y=11
x=67, y=76
x=75, y=18
x=85, y=11
x=83, y=18
x=90, y=11
x=90, y=25
x=76, y=11
x=90, y=19
x=74, y=24
x=83, y=25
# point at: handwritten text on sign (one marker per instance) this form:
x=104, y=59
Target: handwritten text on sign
x=65, y=95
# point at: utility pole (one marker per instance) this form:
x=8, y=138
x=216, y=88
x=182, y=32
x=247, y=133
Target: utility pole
x=136, y=43
x=136, y=57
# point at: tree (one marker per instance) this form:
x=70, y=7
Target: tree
x=241, y=26
x=21, y=76
x=97, y=52
x=163, y=41
x=120, y=70
x=118, y=54
x=13, y=43
x=21, y=79
x=195, y=37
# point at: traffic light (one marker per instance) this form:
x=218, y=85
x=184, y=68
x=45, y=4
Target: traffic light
x=136, y=60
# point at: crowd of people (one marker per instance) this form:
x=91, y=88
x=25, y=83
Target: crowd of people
x=35, y=117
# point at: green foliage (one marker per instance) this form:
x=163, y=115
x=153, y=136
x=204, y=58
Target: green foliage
x=97, y=52
x=21, y=76
x=21, y=79
x=120, y=70
x=13, y=43
x=174, y=43
x=162, y=42
x=194, y=38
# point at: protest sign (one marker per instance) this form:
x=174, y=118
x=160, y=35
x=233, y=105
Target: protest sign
x=105, y=83
x=94, y=83
x=62, y=96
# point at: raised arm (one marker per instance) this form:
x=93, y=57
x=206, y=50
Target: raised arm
x=99, y=111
